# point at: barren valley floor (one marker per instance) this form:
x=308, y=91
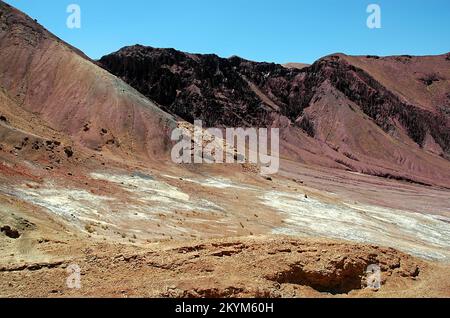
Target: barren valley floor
x=211, y=234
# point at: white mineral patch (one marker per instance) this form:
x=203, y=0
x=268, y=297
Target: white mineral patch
x=75, y=205
x=215, y=182
x=157, y=194
x=420, y=234
x=146, y=199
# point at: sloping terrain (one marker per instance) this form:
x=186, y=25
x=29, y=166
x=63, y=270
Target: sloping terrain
x=86, y=178
x=37, y=250
x=65, y=89
x=342, y=112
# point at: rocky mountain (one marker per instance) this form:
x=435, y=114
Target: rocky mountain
x=384, y=116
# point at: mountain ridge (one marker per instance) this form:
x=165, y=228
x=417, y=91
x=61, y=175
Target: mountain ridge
x=237, y=92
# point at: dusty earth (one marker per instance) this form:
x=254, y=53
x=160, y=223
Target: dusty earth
x=140, y=235
x=260, y=266
x=86, y=179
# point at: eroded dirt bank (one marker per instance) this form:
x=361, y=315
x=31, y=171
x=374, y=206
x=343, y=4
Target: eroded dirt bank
x=234, y=267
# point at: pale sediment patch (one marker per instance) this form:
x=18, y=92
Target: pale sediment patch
x=215, y=182
x=144, y=206
x=156, y=194
x=419, y=234
x=77, y=206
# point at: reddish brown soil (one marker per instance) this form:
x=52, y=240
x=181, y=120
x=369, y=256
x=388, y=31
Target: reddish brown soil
x=85, y=178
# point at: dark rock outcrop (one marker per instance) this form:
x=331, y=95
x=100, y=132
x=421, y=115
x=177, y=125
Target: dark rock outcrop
x=10, y=232
x=237, y=92
x=216, y=90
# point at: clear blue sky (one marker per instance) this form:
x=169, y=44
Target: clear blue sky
x=262, y=30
